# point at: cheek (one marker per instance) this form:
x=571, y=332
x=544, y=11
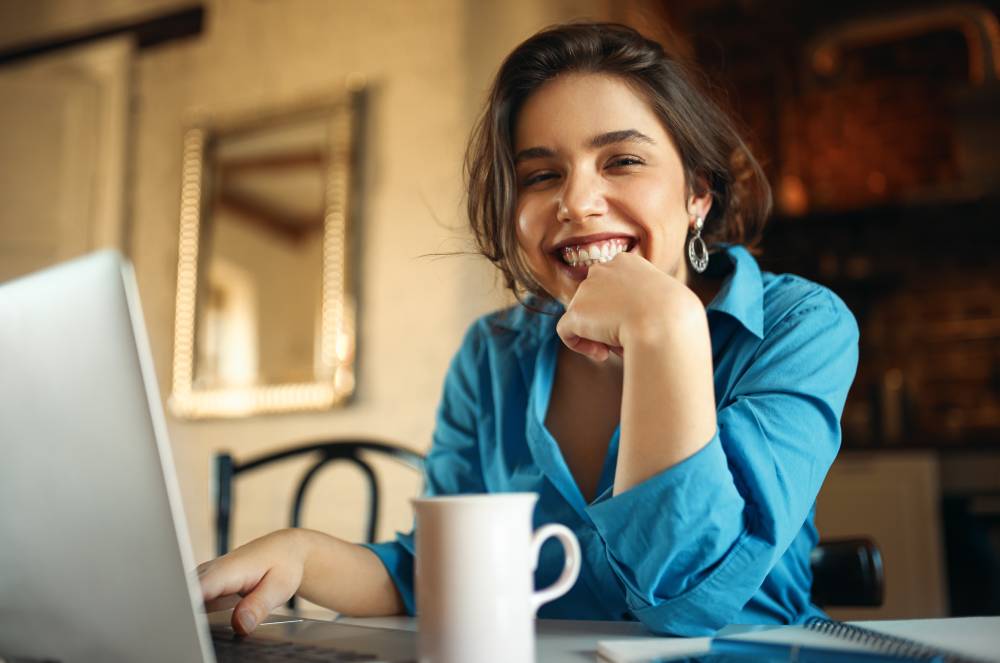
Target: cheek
x=651, y=197
x=528, y=230
x=527, y=245
x=663, y=220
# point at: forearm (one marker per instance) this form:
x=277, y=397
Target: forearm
x=668, y=398
x=345, y=577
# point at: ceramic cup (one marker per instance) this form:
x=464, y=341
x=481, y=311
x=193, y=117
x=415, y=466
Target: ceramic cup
x=475, y=562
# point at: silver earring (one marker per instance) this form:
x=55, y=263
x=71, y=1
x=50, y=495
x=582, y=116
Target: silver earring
x=697, y=251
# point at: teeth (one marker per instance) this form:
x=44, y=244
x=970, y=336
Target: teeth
x=595, y=253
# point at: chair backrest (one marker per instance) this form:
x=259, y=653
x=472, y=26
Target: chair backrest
x=329, y=451
x=847, y=572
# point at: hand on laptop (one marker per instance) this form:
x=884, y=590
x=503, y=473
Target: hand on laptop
x=262, y=575
x=255, y=578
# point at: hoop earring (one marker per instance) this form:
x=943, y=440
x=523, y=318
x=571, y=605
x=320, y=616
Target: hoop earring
x=697, y=251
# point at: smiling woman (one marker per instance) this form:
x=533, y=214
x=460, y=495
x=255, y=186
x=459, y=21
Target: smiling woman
x=670, y=403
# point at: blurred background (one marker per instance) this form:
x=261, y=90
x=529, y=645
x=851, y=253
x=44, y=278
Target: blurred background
x=878, y=124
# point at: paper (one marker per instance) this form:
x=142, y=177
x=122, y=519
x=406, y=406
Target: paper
x=641, y=651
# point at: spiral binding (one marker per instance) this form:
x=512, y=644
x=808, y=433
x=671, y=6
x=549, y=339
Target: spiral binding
x=889, y=645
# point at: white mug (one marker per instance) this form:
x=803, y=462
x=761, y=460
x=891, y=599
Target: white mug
x=475, y=562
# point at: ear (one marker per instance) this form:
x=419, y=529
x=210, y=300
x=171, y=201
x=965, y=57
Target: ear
x=699, y=204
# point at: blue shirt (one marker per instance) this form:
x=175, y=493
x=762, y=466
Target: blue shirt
x=722, y=537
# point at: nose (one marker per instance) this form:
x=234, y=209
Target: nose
x=580, y=198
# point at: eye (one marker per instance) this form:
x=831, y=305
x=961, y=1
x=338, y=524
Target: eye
x=625, y=161
x=538, y=177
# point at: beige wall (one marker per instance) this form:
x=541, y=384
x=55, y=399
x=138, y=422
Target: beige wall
x=428, y=63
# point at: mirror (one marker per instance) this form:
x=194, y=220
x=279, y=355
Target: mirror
x=265, y=312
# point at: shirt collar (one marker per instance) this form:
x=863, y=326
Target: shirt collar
x=534, y=316
x=742, y=293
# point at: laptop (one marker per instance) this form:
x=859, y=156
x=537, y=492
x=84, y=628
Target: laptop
x=95, y=559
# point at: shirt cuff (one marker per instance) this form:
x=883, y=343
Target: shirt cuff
x=671, y=536
x=397, y=557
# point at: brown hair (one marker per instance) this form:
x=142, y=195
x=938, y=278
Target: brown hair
x=711, y=150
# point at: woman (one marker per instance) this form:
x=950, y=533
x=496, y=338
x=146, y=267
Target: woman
x=675, y=406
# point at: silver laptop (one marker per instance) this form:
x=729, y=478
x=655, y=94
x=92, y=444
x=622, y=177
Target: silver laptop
x=95, y=559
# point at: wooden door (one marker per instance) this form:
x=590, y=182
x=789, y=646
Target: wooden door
x=63, y=131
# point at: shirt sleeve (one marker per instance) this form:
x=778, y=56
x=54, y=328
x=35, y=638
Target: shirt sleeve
x=453, y=464
x=692, y=544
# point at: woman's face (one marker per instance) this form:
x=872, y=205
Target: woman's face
x=597, y=174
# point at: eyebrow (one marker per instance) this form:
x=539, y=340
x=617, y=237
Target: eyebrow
x=598, y=141
x=623, y=136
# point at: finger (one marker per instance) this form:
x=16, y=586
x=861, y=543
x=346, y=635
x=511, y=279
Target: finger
x=568, y=330
x=272, y=591
x=573, y=325
x=222, y=603
x=226, y=576
x=596, y=351
x=212, y=582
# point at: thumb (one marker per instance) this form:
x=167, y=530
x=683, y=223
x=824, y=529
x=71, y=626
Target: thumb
x=272, y=591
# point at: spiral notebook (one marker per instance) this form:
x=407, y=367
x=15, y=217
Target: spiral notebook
x=973, y=639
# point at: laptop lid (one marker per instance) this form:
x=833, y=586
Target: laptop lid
x=93, y=545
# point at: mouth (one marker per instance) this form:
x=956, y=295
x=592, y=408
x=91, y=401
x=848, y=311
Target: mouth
x=576, y=256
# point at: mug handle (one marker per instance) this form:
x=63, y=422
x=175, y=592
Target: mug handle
x=571, y=569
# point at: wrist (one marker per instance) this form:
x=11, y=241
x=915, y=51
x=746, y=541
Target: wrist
x=679, y=320
x=295, y=544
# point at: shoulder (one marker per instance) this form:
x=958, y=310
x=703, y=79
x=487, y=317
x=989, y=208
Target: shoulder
x=499, y=352
x=514, y=327
x=790, y=300
x=503, y=339
x=809, y=343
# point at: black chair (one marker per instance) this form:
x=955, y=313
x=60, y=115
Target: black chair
x=847, y=573
x=350, y=450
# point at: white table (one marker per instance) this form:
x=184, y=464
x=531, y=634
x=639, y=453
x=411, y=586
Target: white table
x=566, y=641
x=557, y=640
x=563, y=641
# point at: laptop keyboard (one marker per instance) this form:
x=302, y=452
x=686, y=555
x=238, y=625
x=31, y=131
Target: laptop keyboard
x=230, y=647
